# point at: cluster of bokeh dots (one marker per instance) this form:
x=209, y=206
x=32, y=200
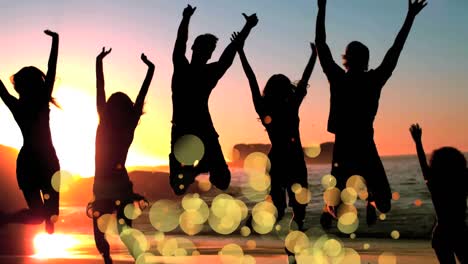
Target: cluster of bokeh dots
x=225, y=215
x=257, y=168
x=344, y=201
x=234, y=254
x=314, y=246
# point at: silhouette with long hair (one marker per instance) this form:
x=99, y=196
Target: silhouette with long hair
x=192, y=83
x=354, y=101
x=37, y=161
x=118, y=118
x=278, y=109
x=447, y=180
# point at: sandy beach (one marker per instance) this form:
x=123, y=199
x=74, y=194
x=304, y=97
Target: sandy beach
x=405, y=251
x=73, y=241
x=264, y=249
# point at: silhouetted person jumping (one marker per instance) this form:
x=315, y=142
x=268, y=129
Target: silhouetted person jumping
x=278, y=109
x=192, y=83
x=354, y=101
x=37, y=161
x=447, y=181
x=118, y=118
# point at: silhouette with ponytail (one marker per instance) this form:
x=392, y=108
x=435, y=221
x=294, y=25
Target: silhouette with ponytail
x=112, y=189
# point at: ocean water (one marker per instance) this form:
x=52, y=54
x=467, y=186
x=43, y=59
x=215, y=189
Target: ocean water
x=410, y=219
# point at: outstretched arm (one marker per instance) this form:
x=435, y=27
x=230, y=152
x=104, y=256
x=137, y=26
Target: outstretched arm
x=226, y=59
x=52, y=65
x=416, y=133
x=301, y=89
x=145, y=86
x=100, y=92
x=254, y=88
x=326, y=59
x=182, y=36
x=393, y=54
x=7, y=98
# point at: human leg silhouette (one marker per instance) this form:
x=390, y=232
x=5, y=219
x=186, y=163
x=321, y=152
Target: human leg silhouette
x=101, y=243
x=126, y=223
x=278, y=197
x=299, y=210
x=460, y=245
x=376, y=178
x=51, y=205
x=99, y=208
x=329, y=212
x=180, y=177
x=220, y=176
x=442, y=246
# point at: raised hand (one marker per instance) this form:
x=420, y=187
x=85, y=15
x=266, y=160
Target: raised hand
x=146, y=61
x=251, y=21
x=415, y=6
x=312, y=46
x=416, y=132
x=188, y=11
x=103, y=53
x=322, y=3
x=51, y=33
x=235, y=39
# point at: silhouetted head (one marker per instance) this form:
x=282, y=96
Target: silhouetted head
x=278, y=89
x=29, y=82
x=203, y=47
x=119, y=110
x=448, y=166
x=356, y=57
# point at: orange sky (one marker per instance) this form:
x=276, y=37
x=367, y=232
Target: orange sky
x=420, y=90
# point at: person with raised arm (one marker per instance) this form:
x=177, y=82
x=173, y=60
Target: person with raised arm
x=112, y=189
x=37, y=160
x=192, y=83
x=447, y=180
x=354, y=100
x=278, y=109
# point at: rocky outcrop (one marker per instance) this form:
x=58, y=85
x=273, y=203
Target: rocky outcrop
x=241, y=151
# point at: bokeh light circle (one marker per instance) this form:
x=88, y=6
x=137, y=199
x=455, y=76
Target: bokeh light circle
x=189, y=149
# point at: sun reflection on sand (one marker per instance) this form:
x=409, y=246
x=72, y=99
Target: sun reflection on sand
x=58, y=245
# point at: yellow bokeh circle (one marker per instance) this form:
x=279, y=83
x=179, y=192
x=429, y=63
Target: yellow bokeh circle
x=164, y=215
x=312, y=151
x=296, y=241
x=189, y=149
x=332, y=197
x=328, y=181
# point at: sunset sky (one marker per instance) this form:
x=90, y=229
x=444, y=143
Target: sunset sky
x=429, y=85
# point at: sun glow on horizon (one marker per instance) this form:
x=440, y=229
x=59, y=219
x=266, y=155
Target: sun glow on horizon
x=74, y=130
x=74, y=134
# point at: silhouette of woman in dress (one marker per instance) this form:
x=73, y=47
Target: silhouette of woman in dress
x=278, y=109
x=37, y=161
